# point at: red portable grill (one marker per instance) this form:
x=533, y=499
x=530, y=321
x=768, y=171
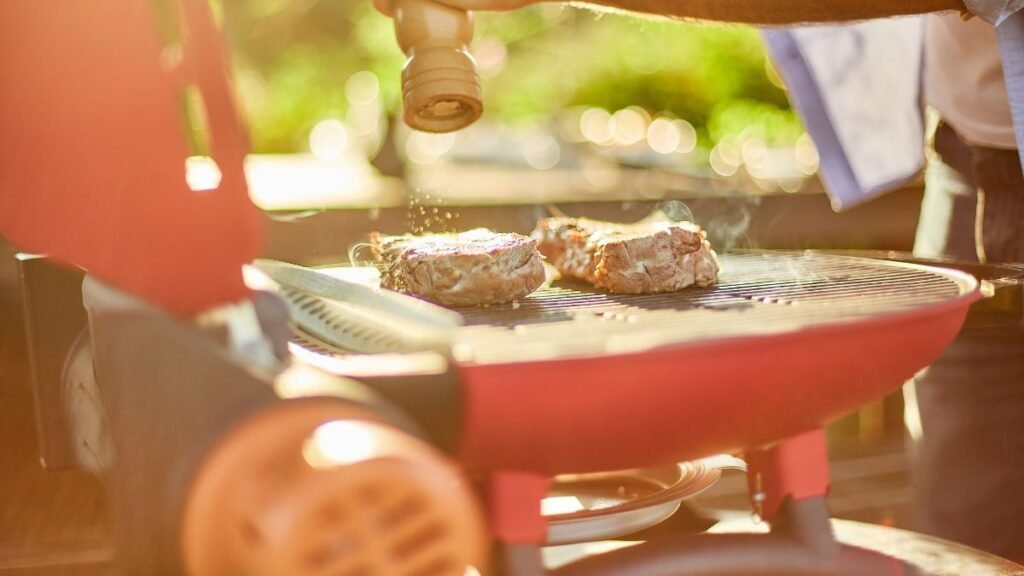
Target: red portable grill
x=784, y=344
x=573, y=380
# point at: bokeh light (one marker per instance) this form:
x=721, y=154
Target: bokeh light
x=687, y=137
x=597, y=126
x=729, y=152
x=807, y=159
x=202, y=173
x=328, y=139
x=754, y=153
x=362, y=87
x=338, y=443
x=723, y=164
x=425, y=148
x=629, y=125
x=542, y=152
x=490, y=54
x=365, y=119
x=663, y=136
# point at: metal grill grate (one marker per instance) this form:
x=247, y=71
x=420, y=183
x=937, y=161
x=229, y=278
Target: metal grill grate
x=757, y=294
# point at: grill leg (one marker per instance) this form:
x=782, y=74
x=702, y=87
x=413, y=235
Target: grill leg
x=519, y=560
x=516, y=522
x=795, y=468
x=788, y=483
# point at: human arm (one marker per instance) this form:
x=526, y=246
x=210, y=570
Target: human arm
x=763, y=12
x=780, y=12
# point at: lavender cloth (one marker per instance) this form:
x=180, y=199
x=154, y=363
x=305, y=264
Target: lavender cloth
x=858, y=89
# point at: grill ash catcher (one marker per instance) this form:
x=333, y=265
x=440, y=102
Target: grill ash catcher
x=427, y=446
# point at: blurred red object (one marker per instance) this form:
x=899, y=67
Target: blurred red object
x=93, y=147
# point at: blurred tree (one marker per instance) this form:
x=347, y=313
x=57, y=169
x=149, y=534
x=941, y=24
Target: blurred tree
x=293, y=58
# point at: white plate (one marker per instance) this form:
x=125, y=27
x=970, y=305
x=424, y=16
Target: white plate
x=588, y=507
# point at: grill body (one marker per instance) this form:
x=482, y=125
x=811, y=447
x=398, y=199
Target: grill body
x=574, y=381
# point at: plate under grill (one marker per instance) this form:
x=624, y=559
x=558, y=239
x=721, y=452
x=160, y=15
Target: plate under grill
x=758, y=294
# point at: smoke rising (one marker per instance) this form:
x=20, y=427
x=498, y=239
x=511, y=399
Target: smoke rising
x=726, y=220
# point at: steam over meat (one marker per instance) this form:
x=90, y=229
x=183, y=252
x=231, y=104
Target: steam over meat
x=653, y=255
x=473, y=268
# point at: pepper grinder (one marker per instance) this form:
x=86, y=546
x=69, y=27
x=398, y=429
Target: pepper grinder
x=440, y=85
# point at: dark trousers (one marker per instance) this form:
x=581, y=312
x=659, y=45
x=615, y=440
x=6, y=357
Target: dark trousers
x=968, y=455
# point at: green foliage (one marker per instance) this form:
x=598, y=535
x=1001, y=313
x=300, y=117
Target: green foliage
x=294, y=56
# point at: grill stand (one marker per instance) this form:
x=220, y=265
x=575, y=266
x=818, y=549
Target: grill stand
x=517, y=525
x=789, y=483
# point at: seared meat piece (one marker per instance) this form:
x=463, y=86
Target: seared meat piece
x=473, y=268
x=654, y=255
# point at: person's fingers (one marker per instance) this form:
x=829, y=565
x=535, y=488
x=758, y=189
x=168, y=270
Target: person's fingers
x=384, y=7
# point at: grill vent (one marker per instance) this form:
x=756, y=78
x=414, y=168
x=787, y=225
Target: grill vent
x=379, y=531
x=338, y=325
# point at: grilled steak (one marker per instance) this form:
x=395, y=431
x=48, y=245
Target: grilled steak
x=472, y=268
x=654, y=255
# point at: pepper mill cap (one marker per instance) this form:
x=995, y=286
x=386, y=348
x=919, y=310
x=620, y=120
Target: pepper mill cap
x=441, y=90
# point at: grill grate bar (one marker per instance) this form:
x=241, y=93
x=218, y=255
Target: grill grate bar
x=562, y=300
x=757, y=294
